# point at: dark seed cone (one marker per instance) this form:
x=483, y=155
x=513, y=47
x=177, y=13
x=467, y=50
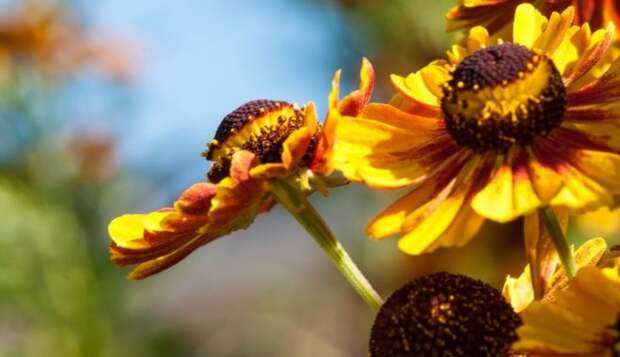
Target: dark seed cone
x=444, y=314
x=503, y=95
x=265, y=140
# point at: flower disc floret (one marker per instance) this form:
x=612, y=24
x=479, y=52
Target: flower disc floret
x=444, y=314
x=503, y=95
x=259, y=126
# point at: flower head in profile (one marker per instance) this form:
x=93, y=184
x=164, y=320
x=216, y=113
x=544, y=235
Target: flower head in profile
x=583, y=319
x=497, y=15
x=258, y=143
x=444, y=314
x=495, y=131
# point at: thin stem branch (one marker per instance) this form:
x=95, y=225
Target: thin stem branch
x=559, y=240
x=297, y=205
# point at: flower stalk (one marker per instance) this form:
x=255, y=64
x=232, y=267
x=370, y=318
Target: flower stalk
x=298, y=205
x=559, y=240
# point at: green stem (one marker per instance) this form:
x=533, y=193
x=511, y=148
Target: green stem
x=559, y=240
x=297, y=204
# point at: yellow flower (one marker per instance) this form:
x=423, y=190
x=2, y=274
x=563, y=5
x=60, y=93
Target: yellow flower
x=581, y=320
x=259, y=142
x=497, y=131
x=496, y=15
x=520, y=291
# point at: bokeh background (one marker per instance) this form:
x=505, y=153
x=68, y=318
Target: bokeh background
x=105, y=107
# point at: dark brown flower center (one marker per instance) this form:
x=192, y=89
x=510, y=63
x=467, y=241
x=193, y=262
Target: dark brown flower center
x=614, y=342
x=501, y=96
x=259, y=126
x=444, y=314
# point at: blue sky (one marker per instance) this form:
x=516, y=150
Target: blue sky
x=201, y=59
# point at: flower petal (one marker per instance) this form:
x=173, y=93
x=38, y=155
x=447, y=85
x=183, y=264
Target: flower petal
x=383, y=146
x=423, y=86
x=164, y=262
x=447, y=220
x=353, y=103
x=528, y=25
x=390, y=221
x=323, y=156
x=478, y=38
x=598, y=45
x=554, y=32
x=546, y=181
x=510, y=193
x=127, y=231
x=196, y=199
x=540, y=251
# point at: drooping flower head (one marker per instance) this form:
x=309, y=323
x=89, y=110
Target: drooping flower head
x=582, y=319
x=444, y=314
x=497, y=15
x=496, y=131
x=261, y=141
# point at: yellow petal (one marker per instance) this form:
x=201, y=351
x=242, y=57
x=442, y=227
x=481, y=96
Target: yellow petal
x=127, y=231
x=156, y=221
x=268, y=170
x=604, y=167
x=478, y=38
x=424, y=85
x=295, y=147
x=590, y=56
x=381, y=146
x=528, y=25
x=509, y=194
x=430, y=226
x=391, y=220
x=518, y=291
x=546, y=182
x=457, y=53
x=580, y=192
x=554, y=32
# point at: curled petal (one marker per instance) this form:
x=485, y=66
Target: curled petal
x=197, y=198
x=518, y=291
x=322, y=161
x=298, y=142
x=353, y=103
x=540, y=251
x=204, y=212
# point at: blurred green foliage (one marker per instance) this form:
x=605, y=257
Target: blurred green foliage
x=59, y=294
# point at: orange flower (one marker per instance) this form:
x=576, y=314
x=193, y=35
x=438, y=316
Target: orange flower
x=261, y=142
x=497, y=15
x=496, y=131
